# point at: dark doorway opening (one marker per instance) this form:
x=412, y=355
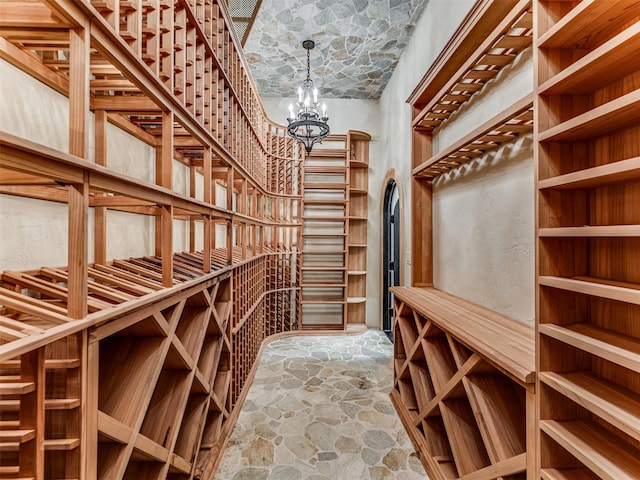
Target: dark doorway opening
x=390, y=254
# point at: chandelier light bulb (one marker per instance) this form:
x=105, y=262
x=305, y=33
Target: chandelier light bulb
x=324, y=109
x=300, y=94
x=290, y=110
x=315, y=95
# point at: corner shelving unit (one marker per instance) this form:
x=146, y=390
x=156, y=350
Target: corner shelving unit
x=588, y=125
x=334, y=235
x=358, y=143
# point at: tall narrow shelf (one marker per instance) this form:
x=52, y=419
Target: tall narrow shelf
x=358, y=143
x=588, y=238
x=325, y=210
x=334, y=235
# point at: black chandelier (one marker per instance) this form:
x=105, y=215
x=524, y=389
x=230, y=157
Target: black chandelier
x=308, y=127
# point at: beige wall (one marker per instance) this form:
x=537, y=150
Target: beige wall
x=483, y=212
x=34, y=232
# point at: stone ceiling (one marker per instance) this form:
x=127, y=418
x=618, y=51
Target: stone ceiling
x=358, y=44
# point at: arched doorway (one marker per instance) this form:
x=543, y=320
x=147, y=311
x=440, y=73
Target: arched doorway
x=390, y=253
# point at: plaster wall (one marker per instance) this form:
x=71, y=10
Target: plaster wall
x=38, y=113
x=437, y=24
x=483, y=212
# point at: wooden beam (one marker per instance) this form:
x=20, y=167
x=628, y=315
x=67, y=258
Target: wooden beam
x=31, y=64
x=131, y=104
x=166, y=245
x=78, y=249
x=79, y=92
x=29, y=15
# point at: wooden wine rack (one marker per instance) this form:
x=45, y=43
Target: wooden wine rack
x=464, y=385
x=588, y=126
x=135, y=367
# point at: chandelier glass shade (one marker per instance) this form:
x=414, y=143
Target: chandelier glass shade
x=309, y=125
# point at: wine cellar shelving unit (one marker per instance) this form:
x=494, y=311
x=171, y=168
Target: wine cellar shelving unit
x=464, y=385
x=133, y=367
x=358, y=144
x=464, y=376
x=334, y=234
x=588, y=126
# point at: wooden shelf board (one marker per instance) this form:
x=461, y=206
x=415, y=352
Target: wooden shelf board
x=611, y=116
x=324, y=234
x=324, y=185
x=504, y=468
x=567, y=474
x=607, y=344
x=595, y=287
x=502, y=128
x=600, y=451
x=310, y=201
x=577, y=28
x=113, y=429
x=16, y=388
x=506, y=343
x=356, y=299
x=324, y=169
x=151, y=449
x=357, y=272
x=607, y=400
x=358, y=164
x=591, y=231
x=327, y=300
x=614, y=59
x=324, y=269
x=621, y=171
x=61, y=444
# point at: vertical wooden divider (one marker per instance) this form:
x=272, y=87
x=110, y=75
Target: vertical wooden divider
x=32, y=414
x=208, y=224
x=78, y=248
x=78, y=194
x=167, y=245
x=422, y=191
x=90, y=415
x=100, y=213
x=192, y=221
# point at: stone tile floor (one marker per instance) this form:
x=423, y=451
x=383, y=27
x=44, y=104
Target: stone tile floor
x=319, y=409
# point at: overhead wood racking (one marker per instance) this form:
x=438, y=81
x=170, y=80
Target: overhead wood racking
x=489, y=39
x=588, y=125
x=134, y=367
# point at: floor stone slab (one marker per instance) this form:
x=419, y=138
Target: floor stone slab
x=339, y=424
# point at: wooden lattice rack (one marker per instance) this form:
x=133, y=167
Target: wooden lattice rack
x=503, y=128
x=464, y=68
x=134, y=367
